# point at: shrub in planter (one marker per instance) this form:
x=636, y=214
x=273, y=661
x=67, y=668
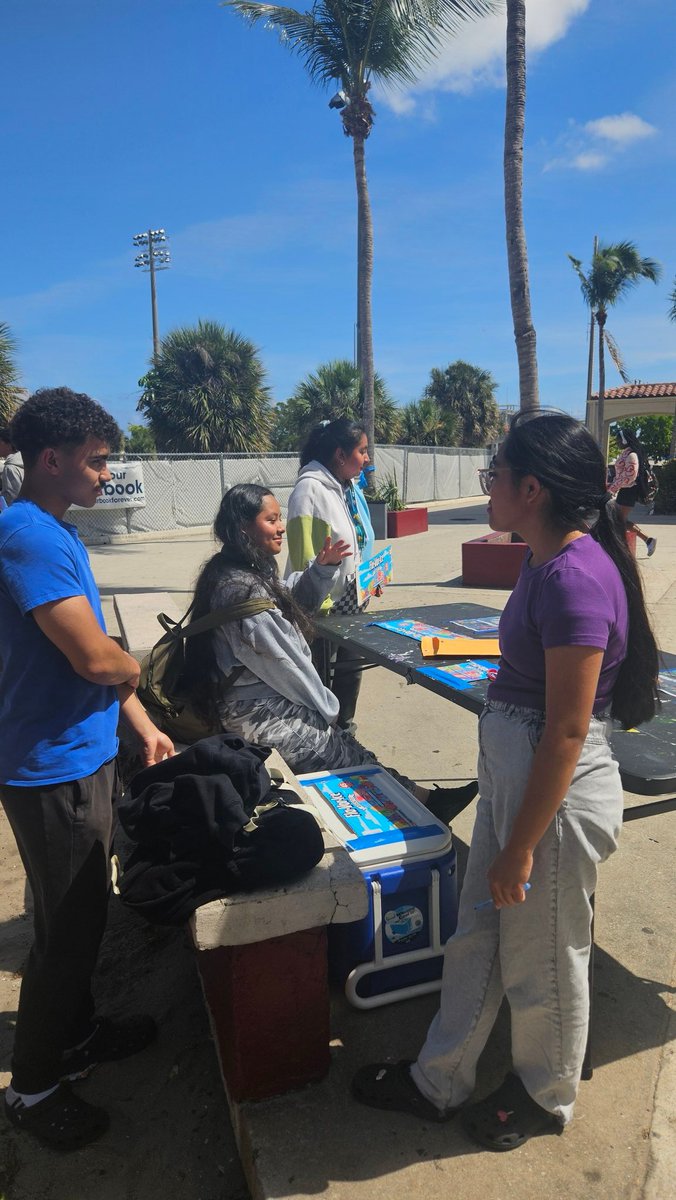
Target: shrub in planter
x=665, y=500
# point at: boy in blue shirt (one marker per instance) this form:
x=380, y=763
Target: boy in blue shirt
x=63, y=684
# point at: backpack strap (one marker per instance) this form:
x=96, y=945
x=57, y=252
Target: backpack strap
x=176, y=630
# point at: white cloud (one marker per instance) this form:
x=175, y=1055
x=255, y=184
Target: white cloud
x=591, y=146
x=476, y=55
x=622, y=129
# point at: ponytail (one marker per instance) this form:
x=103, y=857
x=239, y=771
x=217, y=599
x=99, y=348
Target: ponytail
x=635, y=697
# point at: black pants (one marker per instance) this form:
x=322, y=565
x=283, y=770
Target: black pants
x=340, y=670
x=64, y=835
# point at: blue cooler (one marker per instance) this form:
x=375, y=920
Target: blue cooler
x=409, y=865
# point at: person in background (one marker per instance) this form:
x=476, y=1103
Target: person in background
x=624, y=484
x=577, y=648
x=255, y=677
x=63, y=682
x=12, y=471
x=326, y=503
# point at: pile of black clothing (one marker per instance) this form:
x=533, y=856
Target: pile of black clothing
x=208, y=823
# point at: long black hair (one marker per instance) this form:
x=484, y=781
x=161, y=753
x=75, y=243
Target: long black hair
x=329, y=436
x=561, y=453
x=246, y=566
x=632, y=443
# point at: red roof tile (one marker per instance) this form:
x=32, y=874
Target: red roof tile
x=639, y=391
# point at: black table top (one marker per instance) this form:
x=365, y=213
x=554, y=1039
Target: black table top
x=646, y=756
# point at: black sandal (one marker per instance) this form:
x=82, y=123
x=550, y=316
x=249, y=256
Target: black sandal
x=507, y=1118
x=61, y=1121
x=390, y=1086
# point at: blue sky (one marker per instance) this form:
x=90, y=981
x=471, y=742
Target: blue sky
x=175, y=114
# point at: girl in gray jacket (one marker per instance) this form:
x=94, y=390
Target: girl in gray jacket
x=255, y=677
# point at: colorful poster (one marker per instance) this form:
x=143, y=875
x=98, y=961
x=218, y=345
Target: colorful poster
x=374, y=575
x=361, y=802
x=413, y=629
x=463, y=675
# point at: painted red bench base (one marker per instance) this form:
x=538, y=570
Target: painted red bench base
x=269, y=1009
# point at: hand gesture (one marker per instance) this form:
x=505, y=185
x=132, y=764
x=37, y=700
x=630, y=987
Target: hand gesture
x=333, y=553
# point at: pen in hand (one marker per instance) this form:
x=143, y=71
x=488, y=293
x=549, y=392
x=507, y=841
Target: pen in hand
x=489, y=903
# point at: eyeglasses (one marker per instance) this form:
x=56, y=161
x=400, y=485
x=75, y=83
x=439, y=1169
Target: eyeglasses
x=488, y=476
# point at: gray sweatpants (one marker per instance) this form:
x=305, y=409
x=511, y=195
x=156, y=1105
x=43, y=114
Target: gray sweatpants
x=301, y=735
x=535, y=953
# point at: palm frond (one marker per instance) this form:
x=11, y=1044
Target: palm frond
x=614, y=352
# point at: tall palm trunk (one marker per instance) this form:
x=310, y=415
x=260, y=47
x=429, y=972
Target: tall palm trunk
x=601, y=316
x=517, y=254
x=364, y=285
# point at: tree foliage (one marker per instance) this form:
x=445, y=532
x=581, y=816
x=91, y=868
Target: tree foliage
x=206, y=392
x=615, y=270
x=9, y=375
x=329, y=392
x=139, y=440
x=654, y=433
x=426, y=423
x=467, y=392
x=672, y=303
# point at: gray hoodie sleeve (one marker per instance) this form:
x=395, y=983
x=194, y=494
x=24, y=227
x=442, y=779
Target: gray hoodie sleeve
x=274, y=651
x=311, y=586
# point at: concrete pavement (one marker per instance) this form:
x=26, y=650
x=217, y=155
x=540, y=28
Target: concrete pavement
x=622, y=1143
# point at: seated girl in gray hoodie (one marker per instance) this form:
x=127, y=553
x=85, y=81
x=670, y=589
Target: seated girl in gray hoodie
x=275, y=698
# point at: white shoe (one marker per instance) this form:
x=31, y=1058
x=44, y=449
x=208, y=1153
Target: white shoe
x=651, y=545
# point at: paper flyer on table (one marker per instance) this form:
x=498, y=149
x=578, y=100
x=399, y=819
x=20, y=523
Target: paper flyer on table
x=374, y=575
x=461, y=676
x=413, y=629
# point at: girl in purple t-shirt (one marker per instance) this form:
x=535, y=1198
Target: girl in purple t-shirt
x=576, y=648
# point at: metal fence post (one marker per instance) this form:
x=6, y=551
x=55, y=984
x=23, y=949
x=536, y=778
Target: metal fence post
x=221, y=467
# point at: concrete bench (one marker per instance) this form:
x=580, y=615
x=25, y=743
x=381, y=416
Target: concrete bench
x=262, y=956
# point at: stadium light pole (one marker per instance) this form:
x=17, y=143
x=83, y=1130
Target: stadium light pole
x=154, y=258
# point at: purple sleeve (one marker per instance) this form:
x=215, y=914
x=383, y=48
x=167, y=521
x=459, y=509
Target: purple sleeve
x=574, y=611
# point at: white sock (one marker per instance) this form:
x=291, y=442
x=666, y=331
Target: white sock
x=28, y=1099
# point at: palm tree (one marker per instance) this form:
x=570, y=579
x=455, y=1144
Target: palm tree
x=469, y=393
x=672, y=303
x=517, y=254
x=8, y=374
x=615, y=270
x=425, y=423
x=205, y=392
x=357, y=42
x=332, y=391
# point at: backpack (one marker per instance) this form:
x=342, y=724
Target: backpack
x=161, y=670
x=647, y=483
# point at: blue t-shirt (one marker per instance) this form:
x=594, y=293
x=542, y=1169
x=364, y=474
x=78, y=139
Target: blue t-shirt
x=54, y=725
x=577, y=598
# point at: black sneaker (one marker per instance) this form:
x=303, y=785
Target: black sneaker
x=110, y=1041
x=447, y=803
x=61, y=1121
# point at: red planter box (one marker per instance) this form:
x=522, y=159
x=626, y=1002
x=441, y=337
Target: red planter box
x=493, y=560
x=409, y=520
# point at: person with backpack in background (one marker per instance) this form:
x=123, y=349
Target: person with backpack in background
x=629, y=485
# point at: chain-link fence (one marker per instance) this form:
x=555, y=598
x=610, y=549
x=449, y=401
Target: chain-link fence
x=183, y=491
